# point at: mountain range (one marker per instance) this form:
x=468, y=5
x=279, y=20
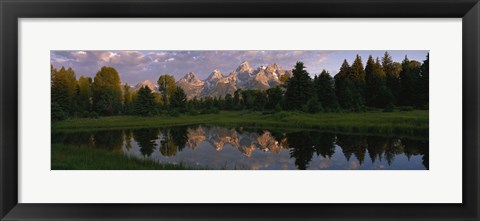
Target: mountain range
x=244, y=77
x=153, y=87
x=219, y=85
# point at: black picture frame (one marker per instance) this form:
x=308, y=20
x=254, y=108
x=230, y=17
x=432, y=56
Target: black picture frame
x=12, y=10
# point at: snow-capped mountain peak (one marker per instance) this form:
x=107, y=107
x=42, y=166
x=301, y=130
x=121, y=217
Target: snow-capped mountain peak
x=218, y=85
x=191, y=78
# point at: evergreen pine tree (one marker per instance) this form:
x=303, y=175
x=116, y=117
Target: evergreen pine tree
x=409, y=78
x=358, y=79
x=275, y=96
x=325, y=91
x=346, y=90
x=178, y=99
x=377, y=93
x=64, y=90
x=84, y=102
x=127, y=99
x=424, y=83
x=392, y=73
x=144, y=103
x=229, y=102
x=299, y=88
x=358, y=72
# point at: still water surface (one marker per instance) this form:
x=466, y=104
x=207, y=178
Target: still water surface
x=212, y=147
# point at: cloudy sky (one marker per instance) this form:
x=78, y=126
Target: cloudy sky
x=136, y=66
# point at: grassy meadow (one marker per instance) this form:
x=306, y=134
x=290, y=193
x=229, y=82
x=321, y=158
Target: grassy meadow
x=406, y=123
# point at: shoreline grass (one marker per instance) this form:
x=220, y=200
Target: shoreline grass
x=402, y=123
x=85, y=158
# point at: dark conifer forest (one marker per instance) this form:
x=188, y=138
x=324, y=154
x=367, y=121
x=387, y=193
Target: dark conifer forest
x=381, y=84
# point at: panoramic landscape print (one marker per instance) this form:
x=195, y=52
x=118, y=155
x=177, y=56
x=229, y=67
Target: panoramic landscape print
x=240, y=110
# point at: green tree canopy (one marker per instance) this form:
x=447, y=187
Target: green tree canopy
x=381, y=84
x=237, y=99
x=377, y=93
x=325, y=91
x=64, y=89
x=409, y=79
x=348, y=94
x=358, y=72
x=107, y=92
x=275, y=97
x=392, y=72
x=144, y=102
x=178, y=99
x=229, y=102
x=424, y=82
x=84, y=99
x=127, y=99
x=166, y=86
x=299, y=88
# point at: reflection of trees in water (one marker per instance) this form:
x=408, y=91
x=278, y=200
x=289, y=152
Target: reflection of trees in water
x=324, y=144
x=301, y=148
x=172, y=140
x=167, y=145
x=413, y=148
x=108, y=140
x=146, y=139
x=302, y=145
x=392, y=148
x=179, y=136
x=375, y=148
x=356, y=145
x=75, y=139
x=380, y=148
x=425, y=153
x=128, y=137
x=410, y=148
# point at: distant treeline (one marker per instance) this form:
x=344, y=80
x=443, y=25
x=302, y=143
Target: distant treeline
x=380, y=84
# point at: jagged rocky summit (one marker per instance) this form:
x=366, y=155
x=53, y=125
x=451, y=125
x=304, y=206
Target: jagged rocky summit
x=244, y=77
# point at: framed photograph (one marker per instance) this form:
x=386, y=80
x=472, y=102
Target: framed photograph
x=162, y=110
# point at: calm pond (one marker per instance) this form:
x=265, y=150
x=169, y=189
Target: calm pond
x=212, y=147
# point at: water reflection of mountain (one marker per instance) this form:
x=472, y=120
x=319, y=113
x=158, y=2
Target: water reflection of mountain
x=245, y=141
x=302, y=146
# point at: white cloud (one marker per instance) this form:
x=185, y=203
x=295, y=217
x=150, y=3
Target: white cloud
x=62, y=60
x=322, y=58
x=79, y=56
